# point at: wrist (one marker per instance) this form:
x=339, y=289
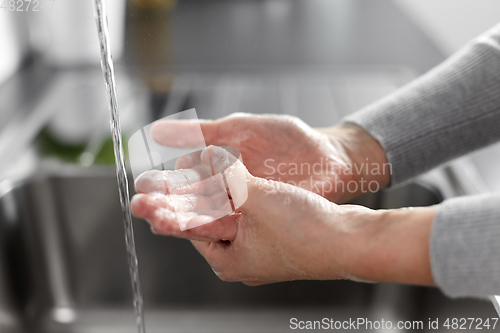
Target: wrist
x=393, y=246
x=369, y=166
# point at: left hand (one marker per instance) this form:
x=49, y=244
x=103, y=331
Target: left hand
x=284, y=233
x=281, y=232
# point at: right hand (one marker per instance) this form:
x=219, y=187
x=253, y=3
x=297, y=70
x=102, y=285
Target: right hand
x=330, y=162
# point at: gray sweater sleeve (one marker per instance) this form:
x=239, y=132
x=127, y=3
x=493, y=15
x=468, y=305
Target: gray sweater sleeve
x=465, y=246
x=450, y=111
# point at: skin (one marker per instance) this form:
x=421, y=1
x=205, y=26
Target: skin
x=284, y=232
x=271, y=145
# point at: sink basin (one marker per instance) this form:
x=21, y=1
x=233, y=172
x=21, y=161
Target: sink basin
x=65, y=269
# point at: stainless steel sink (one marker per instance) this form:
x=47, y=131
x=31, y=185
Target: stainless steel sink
x=65, y=268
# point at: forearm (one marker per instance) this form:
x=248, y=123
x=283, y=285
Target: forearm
x=391, y=245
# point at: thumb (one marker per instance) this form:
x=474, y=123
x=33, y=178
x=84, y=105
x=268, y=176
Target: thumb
x=227, y=162
x=186, y=133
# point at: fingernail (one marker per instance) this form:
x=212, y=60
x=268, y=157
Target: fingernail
x=218, y=155
x=151, y=182
x=156, y=132
x=134, y=202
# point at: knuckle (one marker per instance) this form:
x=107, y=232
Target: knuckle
x=238, y=115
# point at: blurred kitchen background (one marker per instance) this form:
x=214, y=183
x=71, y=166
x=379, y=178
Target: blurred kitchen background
x=63, y=262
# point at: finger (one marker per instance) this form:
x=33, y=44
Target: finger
x=166, y=222
x=146, y=205
x=190, y=210
x=182, y=133
x=212, y=250
x=219, y=158
x=184, y=162
x=236, y=179
x=226, y=162
x=253, y=283
x=192, y=220
x=201, y=246
x=188, y=161
x=183, y=181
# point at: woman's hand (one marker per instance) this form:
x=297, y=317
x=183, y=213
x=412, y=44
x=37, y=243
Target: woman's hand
x=337, y=163
x=279, y=234
x=283, y=232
